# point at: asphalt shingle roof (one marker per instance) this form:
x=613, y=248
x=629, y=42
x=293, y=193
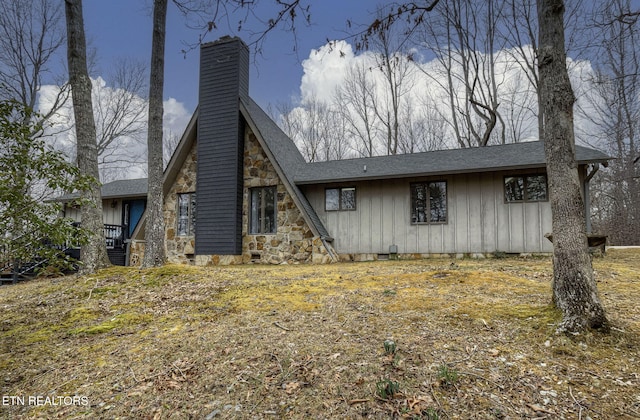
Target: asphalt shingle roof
x=482, y=159
x=124, y=188
x=287, y=155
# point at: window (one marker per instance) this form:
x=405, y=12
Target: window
x=429, y=202
x=340, y=199
x=524, y=188
x=263, y=210
x=186, y=214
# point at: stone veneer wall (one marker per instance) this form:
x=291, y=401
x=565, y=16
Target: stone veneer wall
x=293, y=241
x=180, y=249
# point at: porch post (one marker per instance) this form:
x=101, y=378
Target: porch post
x=587, y=195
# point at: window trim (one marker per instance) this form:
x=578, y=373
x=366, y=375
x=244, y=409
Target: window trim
x=191, y=226
x=275, y=210
x=340, y=190
x=524, y=188
x=446, y=198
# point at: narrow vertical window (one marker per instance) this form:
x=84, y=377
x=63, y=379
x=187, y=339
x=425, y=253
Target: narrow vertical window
x=514, y=188
x=186, y=215
x=438, y=202
x=263, y=210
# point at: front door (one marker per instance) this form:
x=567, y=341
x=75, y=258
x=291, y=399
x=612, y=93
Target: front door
x=133, y=210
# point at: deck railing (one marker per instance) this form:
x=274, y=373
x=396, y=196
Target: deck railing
x=12, y=268
x=114, y=235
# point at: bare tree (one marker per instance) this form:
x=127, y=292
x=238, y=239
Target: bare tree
x=462, y=34
x=422, y=127
x=355, y=99
x=154, y=253
x=574, y=288
x=394, y=66
x=313, y=127
x=614, y=108
x=31, y=35
x=94, y=253
x=169, y=144
x=519, y=32
x=120, y=114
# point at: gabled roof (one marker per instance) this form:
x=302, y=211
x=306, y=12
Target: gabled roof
x=280, y=149
x=124, y=188
x=286, y=158
x=513, y=156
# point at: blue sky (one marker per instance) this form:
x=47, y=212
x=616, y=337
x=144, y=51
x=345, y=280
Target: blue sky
x=122, y=28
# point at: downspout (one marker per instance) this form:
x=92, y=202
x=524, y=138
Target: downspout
x=587, y=196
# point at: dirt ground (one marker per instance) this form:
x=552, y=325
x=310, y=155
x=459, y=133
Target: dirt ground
x=428, y=339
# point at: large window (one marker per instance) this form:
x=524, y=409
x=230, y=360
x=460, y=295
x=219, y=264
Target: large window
x=186, y=214
x=340, y=199
x=524, y=188
x=263, y=210
x=429, y=202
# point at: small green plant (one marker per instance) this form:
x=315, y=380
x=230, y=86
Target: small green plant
x=430, y=414
x=389, y=347
x=386, y=388
x=447, y=375
x=389, y=292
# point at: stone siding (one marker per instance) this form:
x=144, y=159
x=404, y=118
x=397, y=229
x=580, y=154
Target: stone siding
x=292, y=243
x=293, y=240
x=180, y=249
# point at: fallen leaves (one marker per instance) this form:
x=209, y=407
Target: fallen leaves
x=308, y=342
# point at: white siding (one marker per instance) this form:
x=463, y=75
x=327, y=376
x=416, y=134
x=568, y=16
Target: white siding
x=110, y=215
x=478, y=219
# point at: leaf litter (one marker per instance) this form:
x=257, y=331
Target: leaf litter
x=472, y=339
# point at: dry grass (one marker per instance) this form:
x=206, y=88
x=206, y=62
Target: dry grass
x=474, y=339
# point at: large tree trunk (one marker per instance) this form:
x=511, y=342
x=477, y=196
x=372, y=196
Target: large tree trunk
x=154, y=254
x=574, y=288
x=93, y=254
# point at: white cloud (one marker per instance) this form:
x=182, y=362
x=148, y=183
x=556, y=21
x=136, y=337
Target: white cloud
x=176, y=116
x=327, y=68
x=126, y=156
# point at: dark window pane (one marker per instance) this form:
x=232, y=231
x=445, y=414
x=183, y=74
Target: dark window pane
x=438, y=201
x=183, y=214
x=536, y=188
x=332, y=199
x=514, y=188
x=255, y=211
x=269, y=220
x=348, y=199
x=263, y=210
x=192, y=227
x=418, y=203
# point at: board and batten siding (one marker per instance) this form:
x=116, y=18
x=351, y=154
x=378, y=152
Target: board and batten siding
x=479, y=220
x=110, y=215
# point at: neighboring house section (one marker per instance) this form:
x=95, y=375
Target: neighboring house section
x=123, y=205
x=237, y=190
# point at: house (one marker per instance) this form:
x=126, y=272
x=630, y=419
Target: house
x=123, y=203
x=237, y=190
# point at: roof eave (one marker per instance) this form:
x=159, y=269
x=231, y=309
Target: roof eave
x=365, y=177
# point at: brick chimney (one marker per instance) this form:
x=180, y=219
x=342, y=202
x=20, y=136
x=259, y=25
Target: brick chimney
x=224, y=78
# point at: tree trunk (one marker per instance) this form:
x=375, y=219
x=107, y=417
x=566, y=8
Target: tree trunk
x=574, y=288
x=154, y=254
x=93, y=254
